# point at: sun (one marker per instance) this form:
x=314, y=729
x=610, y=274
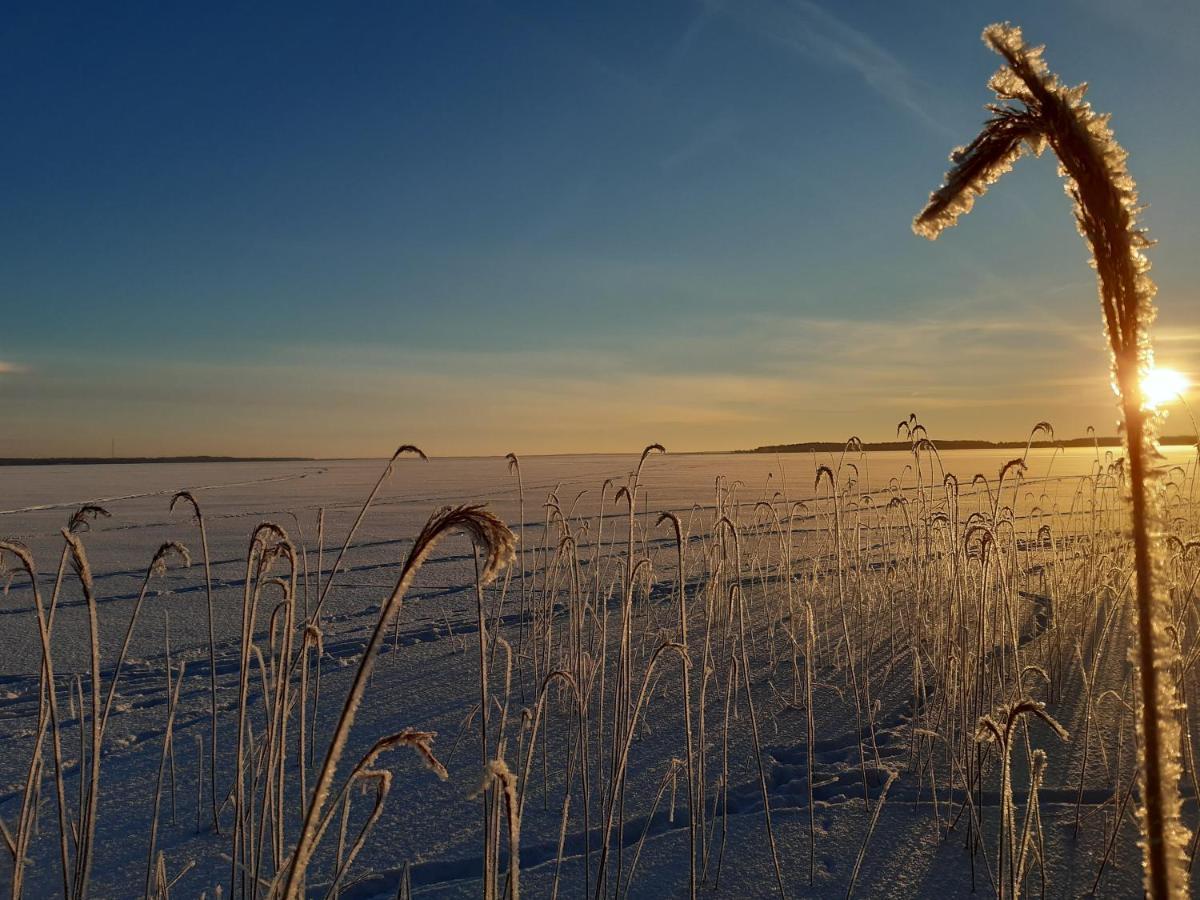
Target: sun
x=1161, y=387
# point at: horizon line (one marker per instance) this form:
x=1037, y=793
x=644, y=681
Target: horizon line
x=891, y=446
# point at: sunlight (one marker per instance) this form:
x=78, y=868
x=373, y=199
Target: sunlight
x=1162, y=386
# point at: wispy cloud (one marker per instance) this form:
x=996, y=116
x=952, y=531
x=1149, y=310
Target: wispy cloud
x=808, y=29
x=9, y=368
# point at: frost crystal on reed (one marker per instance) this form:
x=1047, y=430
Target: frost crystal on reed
x=1037, y=110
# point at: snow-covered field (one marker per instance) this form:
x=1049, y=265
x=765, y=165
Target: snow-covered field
x=930, y=609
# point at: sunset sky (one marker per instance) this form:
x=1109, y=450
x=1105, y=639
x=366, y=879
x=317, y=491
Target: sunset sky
x=326, y=229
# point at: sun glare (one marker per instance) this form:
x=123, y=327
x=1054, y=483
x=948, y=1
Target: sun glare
x=1162, y=386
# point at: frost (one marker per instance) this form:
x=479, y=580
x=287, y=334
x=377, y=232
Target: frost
x=1037, y=110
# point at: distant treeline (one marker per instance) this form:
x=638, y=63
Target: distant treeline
x=838, y=446
x=130, y=460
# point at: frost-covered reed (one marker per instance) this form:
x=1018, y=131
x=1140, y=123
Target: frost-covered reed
x=1036, y=110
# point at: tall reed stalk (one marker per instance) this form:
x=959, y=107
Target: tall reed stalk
x=187, y=497
x=498, y=541
x=1037, y=110
x=47, y=710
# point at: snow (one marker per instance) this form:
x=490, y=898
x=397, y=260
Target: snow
x=427, y=678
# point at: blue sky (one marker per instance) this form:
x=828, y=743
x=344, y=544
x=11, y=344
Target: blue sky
x=480, y=227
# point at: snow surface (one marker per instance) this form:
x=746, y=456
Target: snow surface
x=428, y=678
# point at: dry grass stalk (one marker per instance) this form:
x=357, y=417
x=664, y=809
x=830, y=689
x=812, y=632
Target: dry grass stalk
x=1036, y=111
x=498, y=541
x=186, y=497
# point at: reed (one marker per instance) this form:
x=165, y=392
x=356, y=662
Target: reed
x=172, y=708
x=1035, y=111
x=47, y=712
x=186, y=497
x=89, y=798
x=489, y=533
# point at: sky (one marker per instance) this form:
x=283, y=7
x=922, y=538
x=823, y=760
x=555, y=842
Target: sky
x=328, y=229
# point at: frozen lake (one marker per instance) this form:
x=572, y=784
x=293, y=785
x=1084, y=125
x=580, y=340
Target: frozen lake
x=428, y=676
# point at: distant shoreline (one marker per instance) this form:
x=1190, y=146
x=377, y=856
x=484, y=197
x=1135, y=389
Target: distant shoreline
x=802, y=447
x=137, y=460
x=883, y=446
